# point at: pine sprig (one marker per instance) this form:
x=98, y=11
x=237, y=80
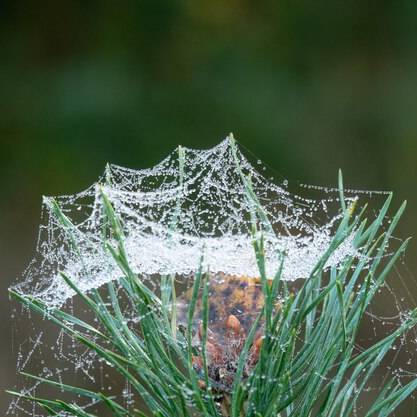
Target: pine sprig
x=308, y=365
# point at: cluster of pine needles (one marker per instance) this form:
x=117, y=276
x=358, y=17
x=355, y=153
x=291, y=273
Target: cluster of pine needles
x=308, y=365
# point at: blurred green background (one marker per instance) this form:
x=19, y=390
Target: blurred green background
x=308, y=86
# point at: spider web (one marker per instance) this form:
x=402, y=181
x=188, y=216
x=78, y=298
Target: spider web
x=193, y=203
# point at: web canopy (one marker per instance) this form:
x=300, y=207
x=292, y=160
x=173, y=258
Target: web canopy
x=194, y=203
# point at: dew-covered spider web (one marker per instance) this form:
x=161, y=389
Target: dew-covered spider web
x=194, y=201
x=195, y=209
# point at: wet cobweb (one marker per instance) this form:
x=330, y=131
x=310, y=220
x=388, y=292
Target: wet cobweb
x=192, y=210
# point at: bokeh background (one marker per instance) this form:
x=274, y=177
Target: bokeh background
x=307, y=86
